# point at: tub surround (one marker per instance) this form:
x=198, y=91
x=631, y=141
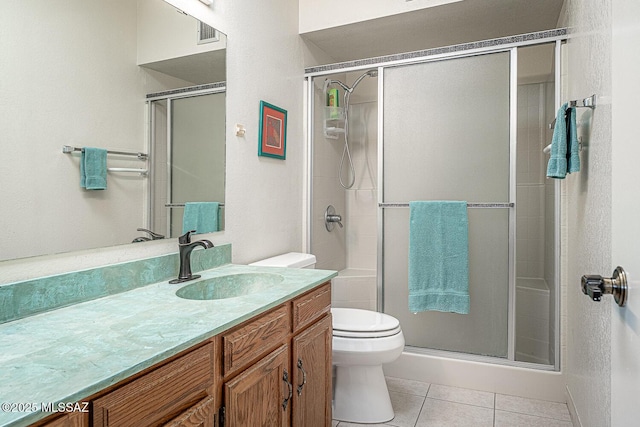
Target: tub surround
x=70, y=353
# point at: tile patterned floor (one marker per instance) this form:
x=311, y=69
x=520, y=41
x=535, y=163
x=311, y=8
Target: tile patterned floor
x=418, y=404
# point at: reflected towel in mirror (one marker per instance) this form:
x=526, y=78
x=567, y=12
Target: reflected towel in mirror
x=201, y=216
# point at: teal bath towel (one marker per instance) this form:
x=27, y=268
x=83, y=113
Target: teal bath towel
x=93, y=168
x=439, y=257
x=200, y=216
x=565, y=156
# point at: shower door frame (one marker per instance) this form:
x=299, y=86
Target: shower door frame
x=501, y=45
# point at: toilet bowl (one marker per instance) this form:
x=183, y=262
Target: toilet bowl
x=363, y=340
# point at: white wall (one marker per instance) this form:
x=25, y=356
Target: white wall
x=68, y=80
x=588, y=349
x=316, y=15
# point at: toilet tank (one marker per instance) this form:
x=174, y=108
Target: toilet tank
x=289, y=260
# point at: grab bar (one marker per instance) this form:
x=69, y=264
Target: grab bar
x=469, y=205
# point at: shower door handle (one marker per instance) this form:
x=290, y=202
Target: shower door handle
x=595, y=286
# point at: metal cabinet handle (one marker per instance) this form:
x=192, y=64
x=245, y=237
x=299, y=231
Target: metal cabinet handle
x=304, y=377
x=595, y=286
x=285, y=378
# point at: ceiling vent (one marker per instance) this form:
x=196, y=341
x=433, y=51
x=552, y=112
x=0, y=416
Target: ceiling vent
x=207, y=34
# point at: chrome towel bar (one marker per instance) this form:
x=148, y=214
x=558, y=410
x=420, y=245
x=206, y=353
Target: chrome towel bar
x=69, y=149
x=589, y=102
x=469, y=205
x=181, y=205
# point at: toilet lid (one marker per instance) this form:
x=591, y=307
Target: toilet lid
x=356, y=323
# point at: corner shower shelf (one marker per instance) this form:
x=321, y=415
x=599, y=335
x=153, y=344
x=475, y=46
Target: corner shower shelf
x=333, y=122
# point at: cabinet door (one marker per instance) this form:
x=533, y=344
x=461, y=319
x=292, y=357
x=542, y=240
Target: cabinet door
x=201, y=414
x=260, y=396
x=76, y=419
x=312, y=376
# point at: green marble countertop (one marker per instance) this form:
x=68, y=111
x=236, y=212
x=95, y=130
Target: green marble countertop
x=68, y=354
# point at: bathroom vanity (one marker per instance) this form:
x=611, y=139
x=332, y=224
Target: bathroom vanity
x=149, y=357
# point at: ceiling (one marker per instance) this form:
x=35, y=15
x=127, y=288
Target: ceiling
x=454, y=23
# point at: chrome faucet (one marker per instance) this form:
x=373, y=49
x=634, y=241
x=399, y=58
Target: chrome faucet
x=185, y=245
x=153, y=236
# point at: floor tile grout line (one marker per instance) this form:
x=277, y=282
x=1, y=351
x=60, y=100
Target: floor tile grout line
x=461, y=403
x=422, y=407
x=494, y=408
x=546, y=417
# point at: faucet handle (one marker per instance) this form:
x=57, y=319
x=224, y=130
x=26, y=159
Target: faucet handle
x=185, y=239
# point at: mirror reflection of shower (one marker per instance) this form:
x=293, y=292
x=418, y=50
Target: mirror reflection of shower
x=332, y=102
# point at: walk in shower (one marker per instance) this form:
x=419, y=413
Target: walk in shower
x=444, y=124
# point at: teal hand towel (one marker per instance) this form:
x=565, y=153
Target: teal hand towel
x=439, y=257
x=564, y=145
x=573, y=157
x=200, y=216
x=93, y=168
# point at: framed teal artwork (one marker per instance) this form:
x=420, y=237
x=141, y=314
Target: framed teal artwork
x=273, y=131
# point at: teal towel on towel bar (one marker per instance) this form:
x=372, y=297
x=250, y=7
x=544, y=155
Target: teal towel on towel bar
x=200, y=216
x=564, y=157
x=439, y=257
x=93, y=168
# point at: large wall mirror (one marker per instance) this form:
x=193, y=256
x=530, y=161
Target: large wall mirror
x=91, y=73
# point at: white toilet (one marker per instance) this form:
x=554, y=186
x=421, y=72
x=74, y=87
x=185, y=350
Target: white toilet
x=362, y=341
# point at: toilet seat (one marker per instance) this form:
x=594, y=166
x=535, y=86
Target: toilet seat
x=356, y=323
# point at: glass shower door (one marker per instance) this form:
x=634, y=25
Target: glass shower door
x=447, y=137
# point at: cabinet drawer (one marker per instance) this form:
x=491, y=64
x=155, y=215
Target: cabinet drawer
x=159, y=395
x=255, y=339
x=311, y=306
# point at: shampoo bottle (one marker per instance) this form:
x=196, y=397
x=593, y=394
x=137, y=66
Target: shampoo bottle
x=333, y=100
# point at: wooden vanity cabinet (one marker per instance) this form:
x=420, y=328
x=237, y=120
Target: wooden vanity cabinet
x=286, y=380
x=271, y=370
x=69, y=420
x=175, y=394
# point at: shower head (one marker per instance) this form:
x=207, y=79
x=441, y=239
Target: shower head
x=370, y=73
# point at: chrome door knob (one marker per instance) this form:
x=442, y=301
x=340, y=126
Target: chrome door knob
x=595, y=286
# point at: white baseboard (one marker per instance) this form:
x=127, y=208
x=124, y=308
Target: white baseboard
x=575, y=419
